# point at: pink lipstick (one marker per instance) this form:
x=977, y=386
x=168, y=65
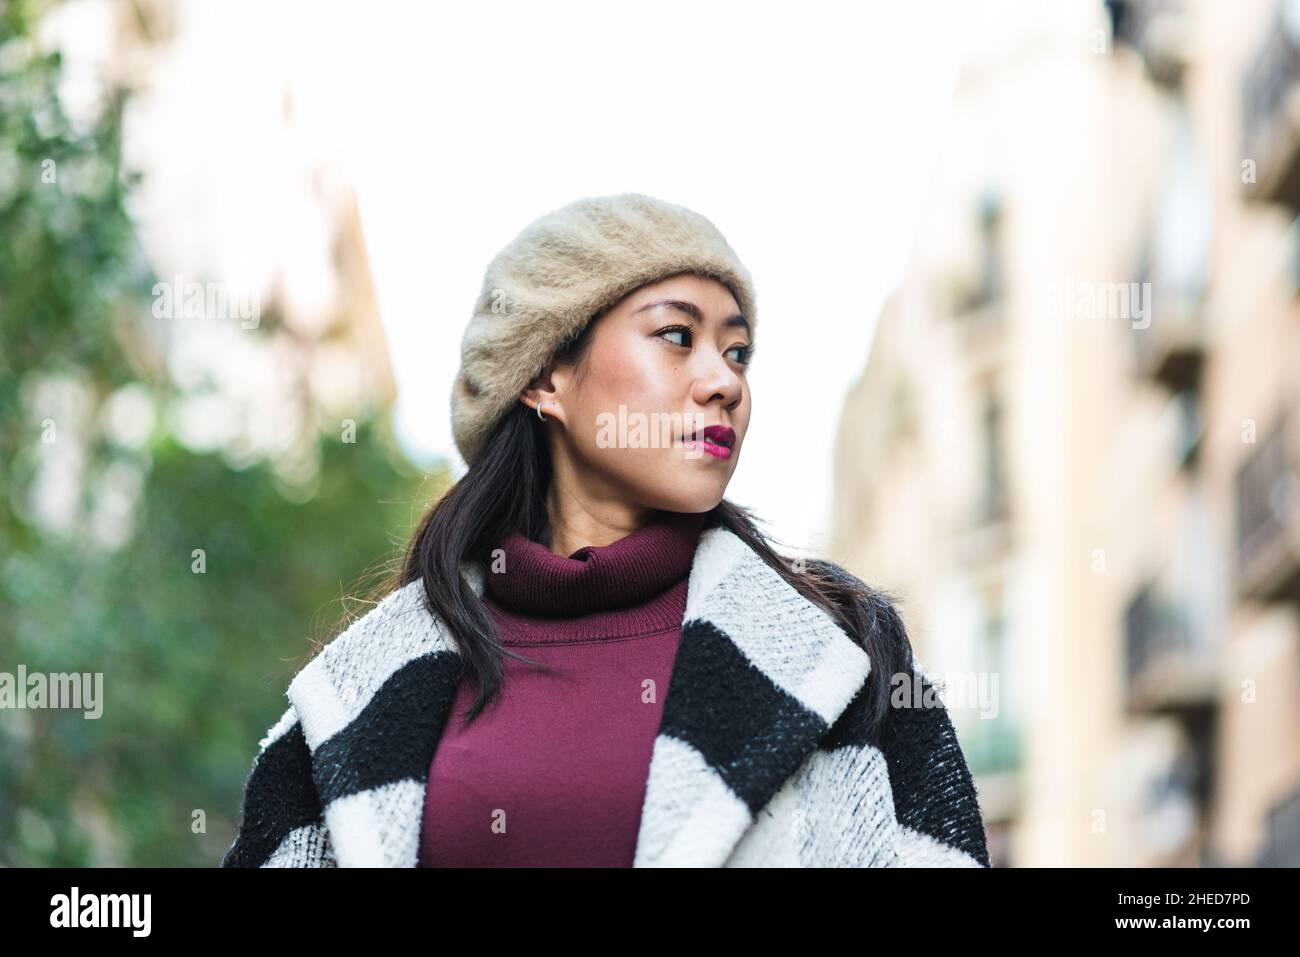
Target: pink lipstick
x=717, y=441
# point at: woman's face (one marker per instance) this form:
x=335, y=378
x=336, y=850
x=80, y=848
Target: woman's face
x=665, y=364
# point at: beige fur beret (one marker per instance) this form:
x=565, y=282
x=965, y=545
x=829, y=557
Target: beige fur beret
x=559, y=272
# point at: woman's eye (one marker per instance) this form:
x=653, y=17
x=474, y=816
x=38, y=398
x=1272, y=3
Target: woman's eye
x=744, y=352
x=677, y=330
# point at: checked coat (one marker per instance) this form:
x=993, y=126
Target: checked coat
x=762, y=758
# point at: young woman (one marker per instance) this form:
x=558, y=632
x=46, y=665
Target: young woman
x=590, y=657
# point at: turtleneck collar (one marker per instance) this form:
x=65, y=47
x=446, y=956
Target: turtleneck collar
x=633, y=570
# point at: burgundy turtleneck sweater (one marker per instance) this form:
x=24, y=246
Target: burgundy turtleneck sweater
x=553, y=772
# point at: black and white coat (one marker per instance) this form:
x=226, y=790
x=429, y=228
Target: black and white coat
x=761, y=758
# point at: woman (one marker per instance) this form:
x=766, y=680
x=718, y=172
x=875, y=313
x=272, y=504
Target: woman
x=589, y=656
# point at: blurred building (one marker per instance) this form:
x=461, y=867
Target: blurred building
x=1074, y=452
x=279, y=224
x=247, y=200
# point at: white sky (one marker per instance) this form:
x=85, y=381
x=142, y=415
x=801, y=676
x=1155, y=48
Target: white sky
x=805, y=133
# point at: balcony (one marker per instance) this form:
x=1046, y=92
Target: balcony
x=1170, y=668
x=976, y=292
x=1270, y=116
x=1171, y=349
x=1267, y=494
x=986, y=538
x=1158, y=31
x=1167, y=302
x=1282, y=834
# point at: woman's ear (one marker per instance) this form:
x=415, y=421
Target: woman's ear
x=557, y=382
x=541, y=391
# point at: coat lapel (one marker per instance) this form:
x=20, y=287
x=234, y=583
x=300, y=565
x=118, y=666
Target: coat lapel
x=760, y=675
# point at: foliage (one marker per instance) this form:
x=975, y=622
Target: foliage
x=194, y=664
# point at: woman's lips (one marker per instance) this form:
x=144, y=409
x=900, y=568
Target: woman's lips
x=720, y=435
x=717, y=451
x=717, y=441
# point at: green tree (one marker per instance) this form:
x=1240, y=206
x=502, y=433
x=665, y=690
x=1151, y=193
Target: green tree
x=194, y=664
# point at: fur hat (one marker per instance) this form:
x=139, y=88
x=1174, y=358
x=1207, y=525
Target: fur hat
x=542, y=289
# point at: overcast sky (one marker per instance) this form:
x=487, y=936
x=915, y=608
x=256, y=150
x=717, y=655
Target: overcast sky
x=807, y=133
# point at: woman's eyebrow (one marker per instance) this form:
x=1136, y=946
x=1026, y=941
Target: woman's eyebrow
x=693, y=312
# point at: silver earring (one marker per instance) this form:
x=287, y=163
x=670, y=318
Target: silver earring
x=539, y=411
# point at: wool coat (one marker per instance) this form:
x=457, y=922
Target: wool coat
x=763, y=757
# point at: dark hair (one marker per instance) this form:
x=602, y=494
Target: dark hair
x=505, y=491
